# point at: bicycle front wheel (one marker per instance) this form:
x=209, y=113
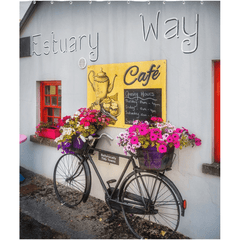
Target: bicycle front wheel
x=70, y=181
x=150, y=207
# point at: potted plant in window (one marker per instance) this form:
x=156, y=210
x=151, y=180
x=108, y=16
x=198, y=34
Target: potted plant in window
x=84, y=122
x=154, y=142
x=47, y=130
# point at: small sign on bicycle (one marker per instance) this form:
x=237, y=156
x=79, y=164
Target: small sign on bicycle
x=110, y=158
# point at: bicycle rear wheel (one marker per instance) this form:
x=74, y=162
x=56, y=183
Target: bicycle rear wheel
x=150, y=207
x=70, y=181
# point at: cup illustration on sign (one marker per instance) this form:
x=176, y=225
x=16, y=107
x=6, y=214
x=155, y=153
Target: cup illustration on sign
x=102, y=87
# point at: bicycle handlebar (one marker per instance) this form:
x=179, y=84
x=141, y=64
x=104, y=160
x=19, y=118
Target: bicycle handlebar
x=90, y=138
x=106, y=135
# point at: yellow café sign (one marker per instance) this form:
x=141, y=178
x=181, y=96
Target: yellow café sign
x=129, y=91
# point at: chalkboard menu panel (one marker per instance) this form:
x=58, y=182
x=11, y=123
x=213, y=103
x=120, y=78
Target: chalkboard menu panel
x=142, y=104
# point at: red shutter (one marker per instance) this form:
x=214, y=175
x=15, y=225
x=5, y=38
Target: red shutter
x=217, y=111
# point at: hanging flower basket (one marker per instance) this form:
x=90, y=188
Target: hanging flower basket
x=151, y=159
x=78, y=144
x=84, y=122
x=154, y=141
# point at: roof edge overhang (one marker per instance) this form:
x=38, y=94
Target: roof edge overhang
x=28, y=14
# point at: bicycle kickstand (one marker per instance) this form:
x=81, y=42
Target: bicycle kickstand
x=113, y=216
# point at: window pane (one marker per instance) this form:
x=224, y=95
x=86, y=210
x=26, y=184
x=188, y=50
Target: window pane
x=50, y=119
x=47, y=89
x=56, y=112
x=53, y=90
x=56, y=120
x=59, y=90
x=54, y=101
x=59, y=101
x=47, y=100
x=50, y=112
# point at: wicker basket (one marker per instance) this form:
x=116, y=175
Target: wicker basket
x=151, y=159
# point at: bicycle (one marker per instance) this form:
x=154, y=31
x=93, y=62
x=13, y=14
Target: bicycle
x=150, y=202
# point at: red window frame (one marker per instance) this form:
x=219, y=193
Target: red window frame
x=50, y=100
x=217, y=107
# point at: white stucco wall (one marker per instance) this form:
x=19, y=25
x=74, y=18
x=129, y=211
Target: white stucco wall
x=189, y=86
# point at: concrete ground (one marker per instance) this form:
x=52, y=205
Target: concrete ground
x=43, y=217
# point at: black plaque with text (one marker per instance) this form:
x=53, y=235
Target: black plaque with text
x=142, y=104
x=108, y=157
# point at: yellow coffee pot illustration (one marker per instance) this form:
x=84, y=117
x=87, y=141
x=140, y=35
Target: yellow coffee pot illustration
x=100, y=84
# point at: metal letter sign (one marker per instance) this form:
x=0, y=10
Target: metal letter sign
x=129, y=91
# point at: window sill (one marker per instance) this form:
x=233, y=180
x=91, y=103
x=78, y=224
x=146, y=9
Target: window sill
x=43, y=141
x=212, y=169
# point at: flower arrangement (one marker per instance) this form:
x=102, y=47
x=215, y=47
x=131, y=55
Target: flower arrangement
x=84, y=122
x=43, y=126
x=162, y=135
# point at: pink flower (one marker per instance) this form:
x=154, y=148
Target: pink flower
x=176, y=144
x=156, y=119
x=162, y=149
x=86, y=124
x=161, y=142
x=134, y=140
x=175, y=136
x=160, y=135
x=153, y=118
x=132, y=128
x=198, y=141
x=154, y=130
x=178, y=130
x=159, y=120
x=153, y=137
x=170, y=139
x=192, y=136
x=143, y=130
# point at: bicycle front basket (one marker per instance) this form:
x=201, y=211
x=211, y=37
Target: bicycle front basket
x=78, y=145
x=151, y=159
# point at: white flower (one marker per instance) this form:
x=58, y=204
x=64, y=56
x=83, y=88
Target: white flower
x=59, y=138
x=146, y=122
x=170, y=130
x=77, y=113
x=165, y=136
x=135, y=122
x=121, y=134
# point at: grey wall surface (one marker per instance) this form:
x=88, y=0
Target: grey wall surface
x=116, y=32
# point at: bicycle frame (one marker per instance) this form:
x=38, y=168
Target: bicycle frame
x=109, y=197
x=130, y=159
x=137, y=209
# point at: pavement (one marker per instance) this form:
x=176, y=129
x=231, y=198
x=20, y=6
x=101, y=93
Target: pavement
x=43, y=217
